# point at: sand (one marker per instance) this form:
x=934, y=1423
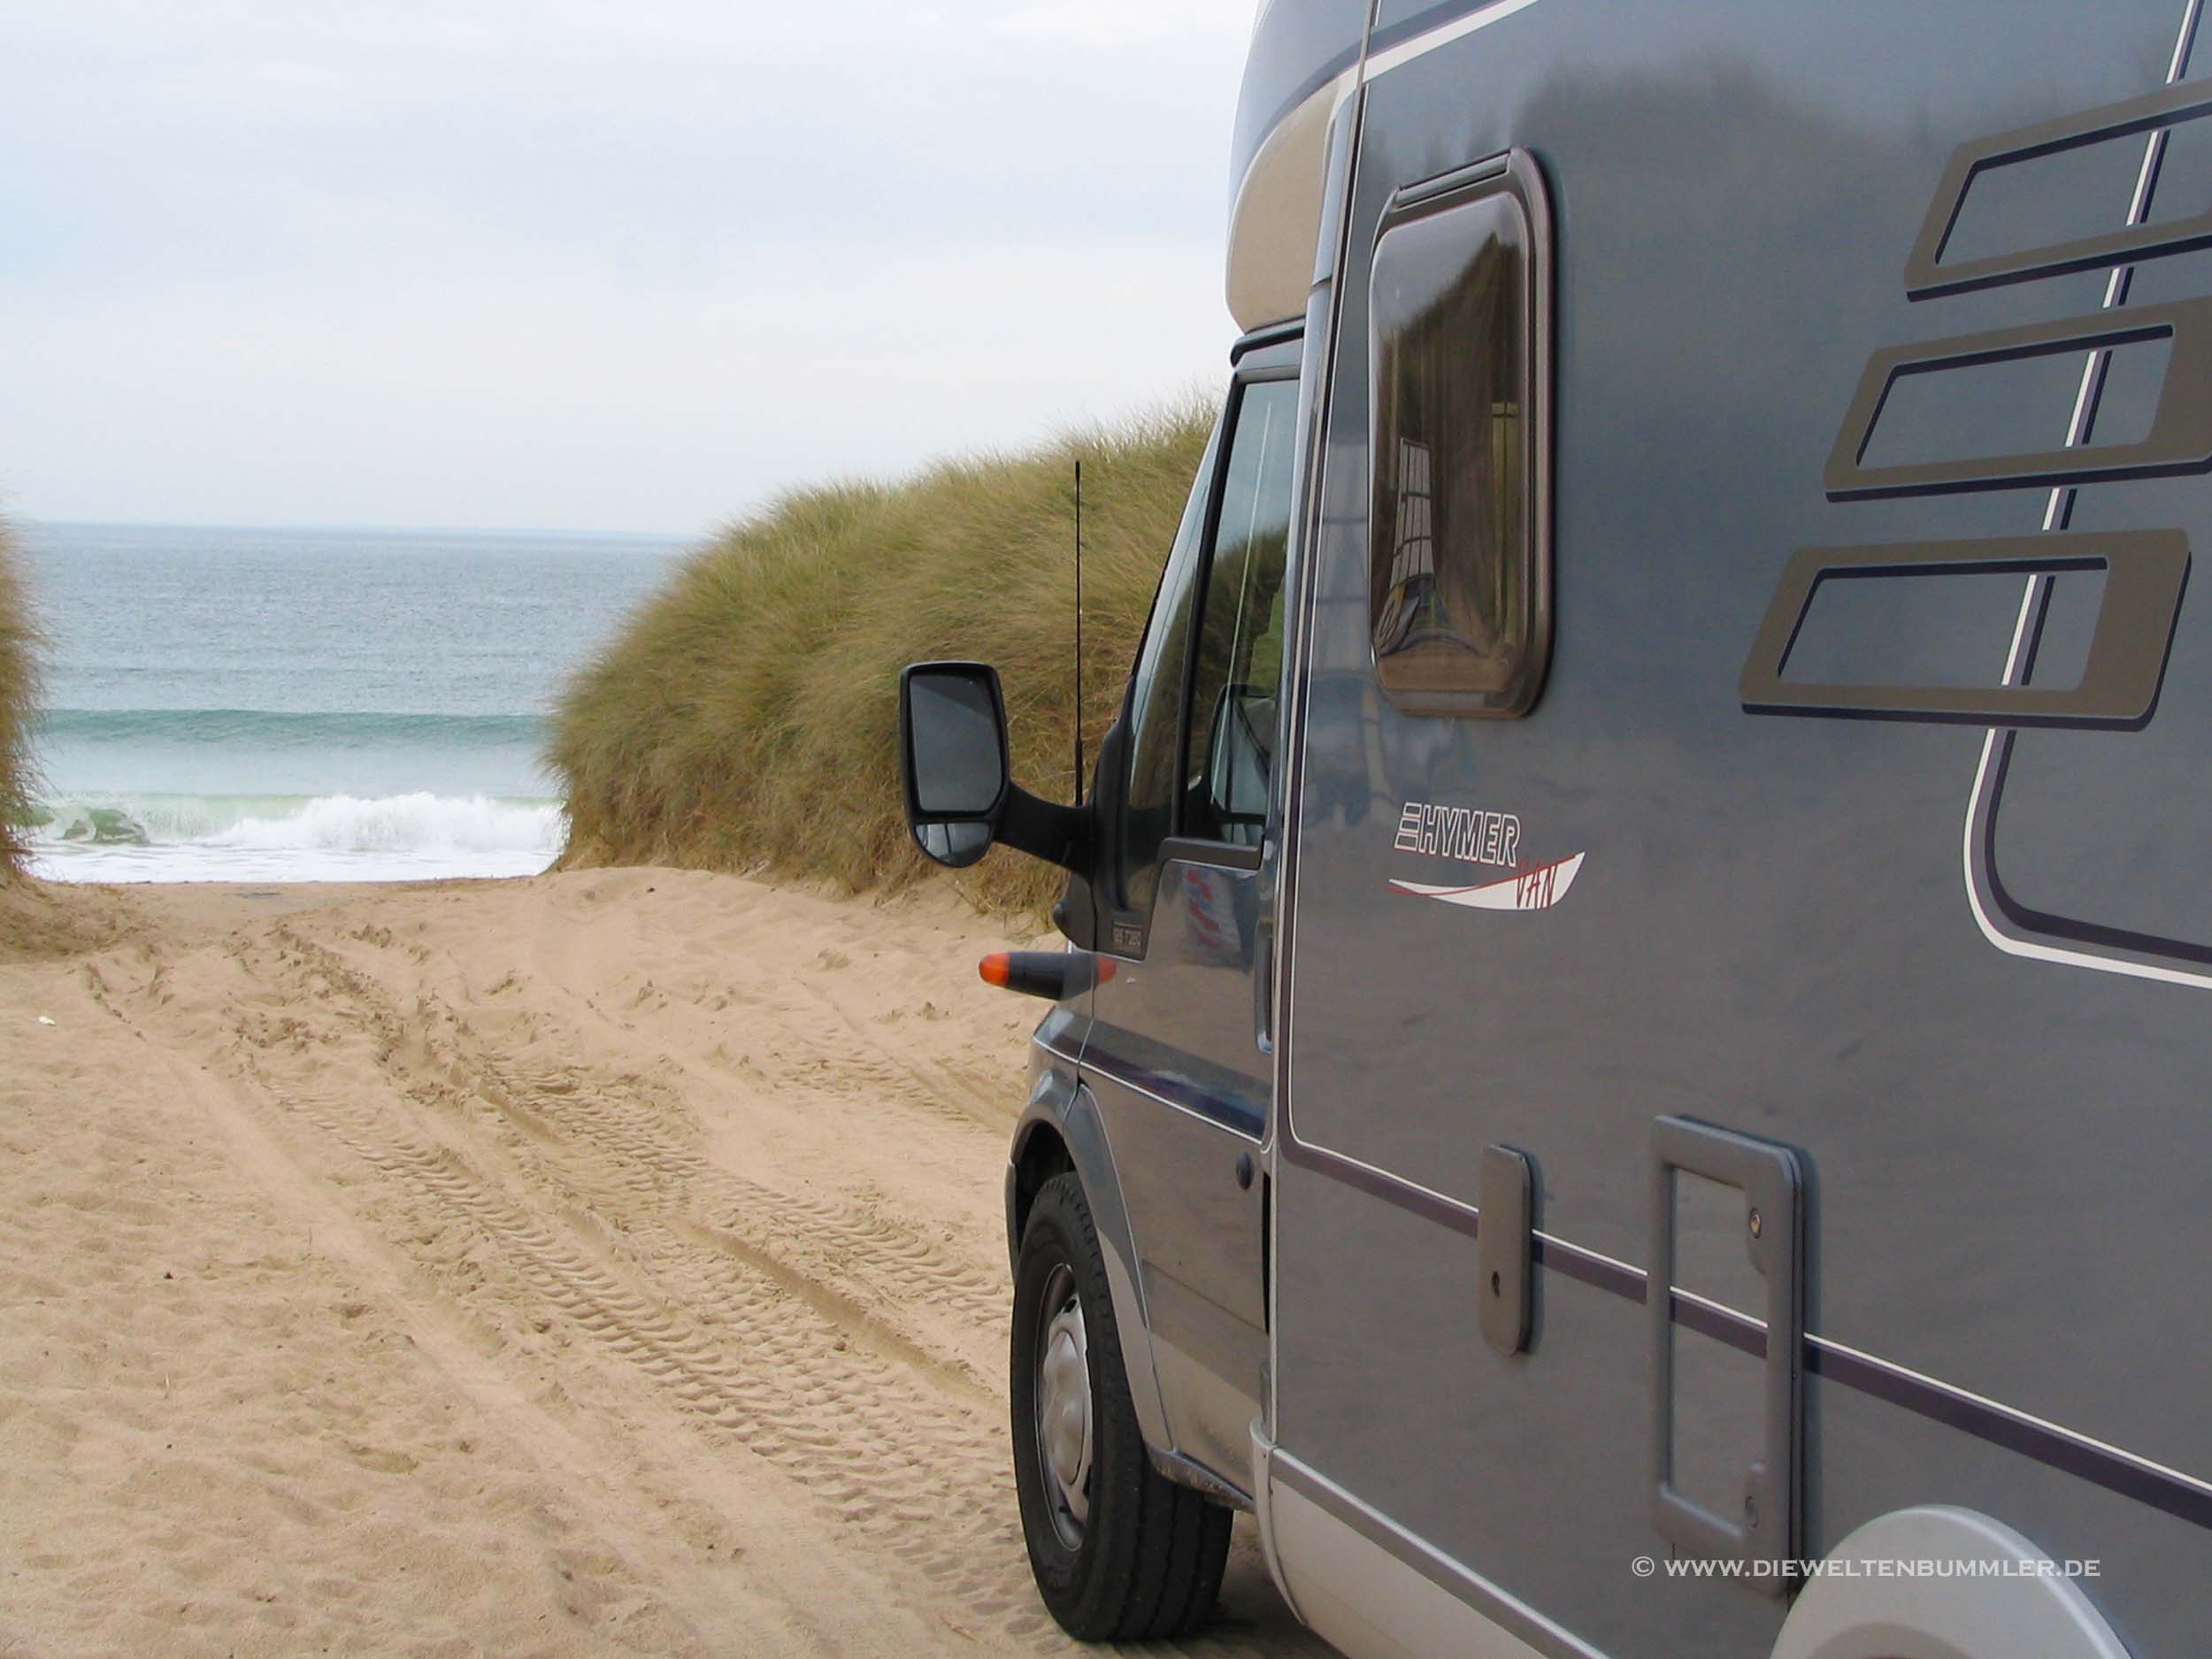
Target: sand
x=609, y=1263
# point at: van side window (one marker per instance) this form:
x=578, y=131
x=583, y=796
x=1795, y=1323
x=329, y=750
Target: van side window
x=1236, y=678
x=1156, y=704
x=1459, y=566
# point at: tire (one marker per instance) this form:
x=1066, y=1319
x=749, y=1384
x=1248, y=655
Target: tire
x=1143, y=1560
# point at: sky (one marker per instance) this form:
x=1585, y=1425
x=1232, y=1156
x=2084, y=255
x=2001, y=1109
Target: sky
x=588, y=264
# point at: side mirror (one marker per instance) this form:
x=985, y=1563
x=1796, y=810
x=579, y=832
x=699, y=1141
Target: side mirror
x=952, y=752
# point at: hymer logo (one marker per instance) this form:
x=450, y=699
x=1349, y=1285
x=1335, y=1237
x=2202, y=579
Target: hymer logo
x=1476, y=837
x=1473, y=836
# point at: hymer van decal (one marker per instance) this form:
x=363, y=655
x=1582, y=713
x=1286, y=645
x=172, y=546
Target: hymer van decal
x=1472, y=835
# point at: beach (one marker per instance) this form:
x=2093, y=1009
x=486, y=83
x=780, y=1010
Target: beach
x=602, y=1263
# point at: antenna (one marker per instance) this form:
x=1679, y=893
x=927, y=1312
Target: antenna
x=1079, y=631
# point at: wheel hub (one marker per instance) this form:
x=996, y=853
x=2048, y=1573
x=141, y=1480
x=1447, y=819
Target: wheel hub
x=1064, y=1409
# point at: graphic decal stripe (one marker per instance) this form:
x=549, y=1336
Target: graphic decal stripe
x=1183, y=1094
x=1537, y=887
x=1439, y=26
x=2014, y=929
x=2182, y=1496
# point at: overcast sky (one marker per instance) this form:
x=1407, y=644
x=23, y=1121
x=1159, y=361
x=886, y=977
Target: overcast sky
x=588, y=265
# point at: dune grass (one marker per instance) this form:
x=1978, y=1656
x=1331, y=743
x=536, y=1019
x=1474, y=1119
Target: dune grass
x=746, y=716
x=18, y=689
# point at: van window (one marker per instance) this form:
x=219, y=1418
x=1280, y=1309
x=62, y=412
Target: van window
x=1156, y=704
x=1236, y=678
x=1459, y=582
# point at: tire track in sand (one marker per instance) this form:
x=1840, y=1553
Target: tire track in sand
x=765, y=1320
x=626, y=1140
x=740, y=1329
x=891, y=1458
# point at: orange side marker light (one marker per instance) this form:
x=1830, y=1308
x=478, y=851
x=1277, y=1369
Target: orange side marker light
x=1054, y=974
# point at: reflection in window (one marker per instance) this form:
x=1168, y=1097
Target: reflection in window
x=1237, y=677
x=1156, y=704
x=1455, y=558
x=1413, y=544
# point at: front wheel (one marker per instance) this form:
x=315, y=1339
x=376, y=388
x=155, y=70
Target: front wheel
x=1120, y=1552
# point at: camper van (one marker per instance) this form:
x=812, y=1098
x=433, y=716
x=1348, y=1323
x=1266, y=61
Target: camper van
x=1629, y=1072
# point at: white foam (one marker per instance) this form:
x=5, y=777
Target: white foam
x=325, y=838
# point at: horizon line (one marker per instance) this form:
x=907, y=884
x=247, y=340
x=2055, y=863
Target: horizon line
x=26, y=520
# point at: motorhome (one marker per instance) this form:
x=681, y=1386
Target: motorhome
x=1629, y=1071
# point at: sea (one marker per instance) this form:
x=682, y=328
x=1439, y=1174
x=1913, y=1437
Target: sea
x=309, y=705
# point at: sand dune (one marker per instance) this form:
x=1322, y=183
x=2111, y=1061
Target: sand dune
x=606, y=1263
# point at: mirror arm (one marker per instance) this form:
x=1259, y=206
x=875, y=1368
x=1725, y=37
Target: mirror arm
x=1062, y=835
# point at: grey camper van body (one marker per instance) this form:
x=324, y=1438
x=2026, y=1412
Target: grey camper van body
x=1710, y=794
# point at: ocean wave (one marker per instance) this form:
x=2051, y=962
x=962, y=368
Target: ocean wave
x=264, y=729
x=439, y=828
x=406, y=823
